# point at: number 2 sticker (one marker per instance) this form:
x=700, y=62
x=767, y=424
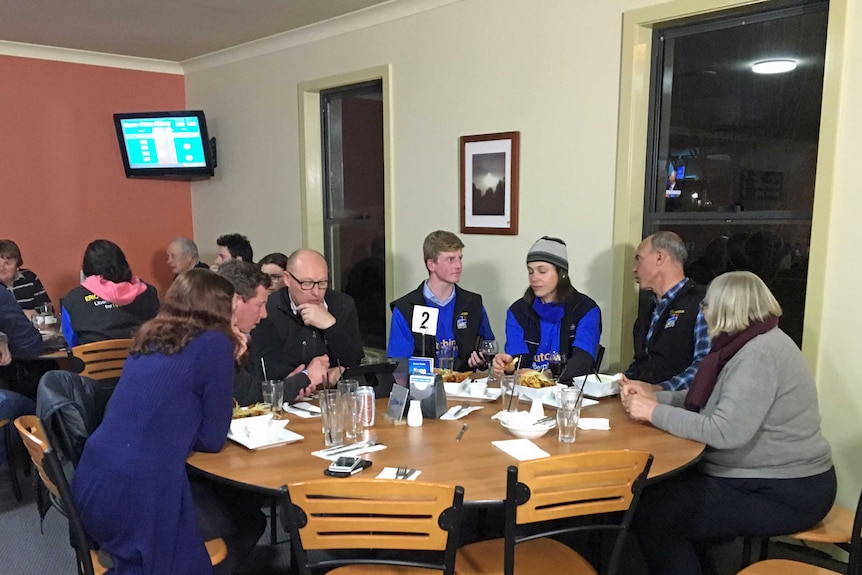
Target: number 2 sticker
x=425, y=319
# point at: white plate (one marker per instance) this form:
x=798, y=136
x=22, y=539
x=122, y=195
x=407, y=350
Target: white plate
x=456, y=391
x=269, y=432
x=552, y=401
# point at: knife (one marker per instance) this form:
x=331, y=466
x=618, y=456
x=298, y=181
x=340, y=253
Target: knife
x=346, y=448
x=461, y=433
x=305, y=409
x=461, y=409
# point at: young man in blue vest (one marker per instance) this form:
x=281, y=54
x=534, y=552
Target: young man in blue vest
x=461, y=319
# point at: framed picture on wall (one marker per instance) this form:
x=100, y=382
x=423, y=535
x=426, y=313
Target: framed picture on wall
x=489, y=183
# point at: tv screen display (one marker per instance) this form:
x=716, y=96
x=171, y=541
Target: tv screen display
x=165, y=144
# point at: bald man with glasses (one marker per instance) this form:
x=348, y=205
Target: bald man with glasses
x=306, y=319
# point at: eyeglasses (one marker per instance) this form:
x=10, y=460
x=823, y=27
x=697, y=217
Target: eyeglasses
x=275, y=277
x=309, y=285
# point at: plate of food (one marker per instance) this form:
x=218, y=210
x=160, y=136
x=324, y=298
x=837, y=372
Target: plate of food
x=259, y=431
x=254, y=410
x=450, y=376
x=532, y=384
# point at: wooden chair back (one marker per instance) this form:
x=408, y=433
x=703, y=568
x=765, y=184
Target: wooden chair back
x=595, y=483
x=52, y=474
x=358, y=514
x=103, y=359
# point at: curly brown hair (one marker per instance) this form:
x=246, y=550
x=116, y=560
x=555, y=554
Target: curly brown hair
x=197, y=301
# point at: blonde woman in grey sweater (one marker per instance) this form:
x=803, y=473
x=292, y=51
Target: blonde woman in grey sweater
x=767, y=469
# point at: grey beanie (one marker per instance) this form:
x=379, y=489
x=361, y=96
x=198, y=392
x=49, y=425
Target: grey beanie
x=551, y=250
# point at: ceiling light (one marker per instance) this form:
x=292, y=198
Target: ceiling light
x=773, y=66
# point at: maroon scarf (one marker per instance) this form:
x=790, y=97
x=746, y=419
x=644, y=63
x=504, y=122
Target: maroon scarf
x=724, y=347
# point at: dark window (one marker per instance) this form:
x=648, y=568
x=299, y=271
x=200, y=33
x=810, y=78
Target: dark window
x=733, y=154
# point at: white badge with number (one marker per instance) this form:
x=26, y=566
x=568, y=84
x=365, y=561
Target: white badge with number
x=425, y=319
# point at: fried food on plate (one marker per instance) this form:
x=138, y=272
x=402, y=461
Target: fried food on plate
x=534, y=379
x=250, y=411
x=453, y=376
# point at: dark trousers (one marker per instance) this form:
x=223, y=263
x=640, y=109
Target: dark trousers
x=677, y=518
x=232, y=514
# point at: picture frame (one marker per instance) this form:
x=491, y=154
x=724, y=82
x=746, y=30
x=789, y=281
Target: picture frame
x=489, y=183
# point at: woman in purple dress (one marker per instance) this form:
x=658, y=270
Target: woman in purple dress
x=175, y=396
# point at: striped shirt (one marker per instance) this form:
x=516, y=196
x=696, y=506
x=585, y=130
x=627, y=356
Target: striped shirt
x=28, y=290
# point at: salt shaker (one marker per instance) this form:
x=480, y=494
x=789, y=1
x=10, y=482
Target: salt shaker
x=414, y=413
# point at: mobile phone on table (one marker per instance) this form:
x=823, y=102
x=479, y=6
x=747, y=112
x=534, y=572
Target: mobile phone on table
x=346, y=465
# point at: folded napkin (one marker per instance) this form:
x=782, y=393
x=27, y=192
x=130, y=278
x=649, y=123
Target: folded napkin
x=351, y=452
x=451, y=413
x=303, y=409
x=597, y=423
x=520, y=449
x=389, y=473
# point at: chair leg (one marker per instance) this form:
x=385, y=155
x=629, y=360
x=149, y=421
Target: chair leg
x=273, y=521
x=764, y=548
x=746, y=552
x=10, y=461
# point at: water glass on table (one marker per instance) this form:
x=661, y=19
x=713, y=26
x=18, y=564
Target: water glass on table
x=331, y=418
x=445, y=355
x=508, y=392
x=351, y=407
x=568, y=414
x=273, y=394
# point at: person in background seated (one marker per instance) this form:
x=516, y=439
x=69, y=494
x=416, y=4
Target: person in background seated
x=174, y=397
x=18, y=336
x=305, y=320
x=111, y=302
x=274, y=265
x=462, y=318
x=183, y=256
x=23, y=283
x=250, y=285
x=670, y=333
x=233, y=246
x=767, y=469
x=552, y=317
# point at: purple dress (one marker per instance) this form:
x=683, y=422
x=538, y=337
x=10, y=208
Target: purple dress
x=131, y=486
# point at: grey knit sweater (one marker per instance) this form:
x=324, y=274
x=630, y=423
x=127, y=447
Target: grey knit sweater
x=762, y=418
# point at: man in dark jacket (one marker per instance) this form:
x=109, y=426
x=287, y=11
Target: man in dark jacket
x=305, y=320
x=251, y=286
x=670, y=333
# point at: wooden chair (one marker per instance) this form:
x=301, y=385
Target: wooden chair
x=103, y=359
x=786, y=567
x=89, y=560
x=368, y=525
x=836, y=528
x=10, y=457
x=541, y=492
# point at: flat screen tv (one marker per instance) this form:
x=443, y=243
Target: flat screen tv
x=171, y=145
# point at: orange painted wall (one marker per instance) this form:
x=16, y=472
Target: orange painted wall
x=62, y=183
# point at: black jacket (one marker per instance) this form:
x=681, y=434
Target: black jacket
x=284, y=341
x=578, y=361
x=467, y=305
x=671, y=349
x=92, y=319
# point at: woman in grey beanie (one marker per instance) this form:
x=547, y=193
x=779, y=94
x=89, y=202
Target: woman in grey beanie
x=552, y=317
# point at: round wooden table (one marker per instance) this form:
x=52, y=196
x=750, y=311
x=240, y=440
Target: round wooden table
x=472, y=462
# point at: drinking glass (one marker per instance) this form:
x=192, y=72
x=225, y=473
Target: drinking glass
x=507, y=385
x=555, y=364
x=351, y=408
x=488, y=349
x=445, y=355
x=568, y=414
x=331, y=418
x=273, y=394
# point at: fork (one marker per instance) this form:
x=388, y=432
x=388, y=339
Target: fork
x=401, y=473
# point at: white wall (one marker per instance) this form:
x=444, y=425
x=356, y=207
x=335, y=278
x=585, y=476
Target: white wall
x=549, y=69
x=468, y=68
